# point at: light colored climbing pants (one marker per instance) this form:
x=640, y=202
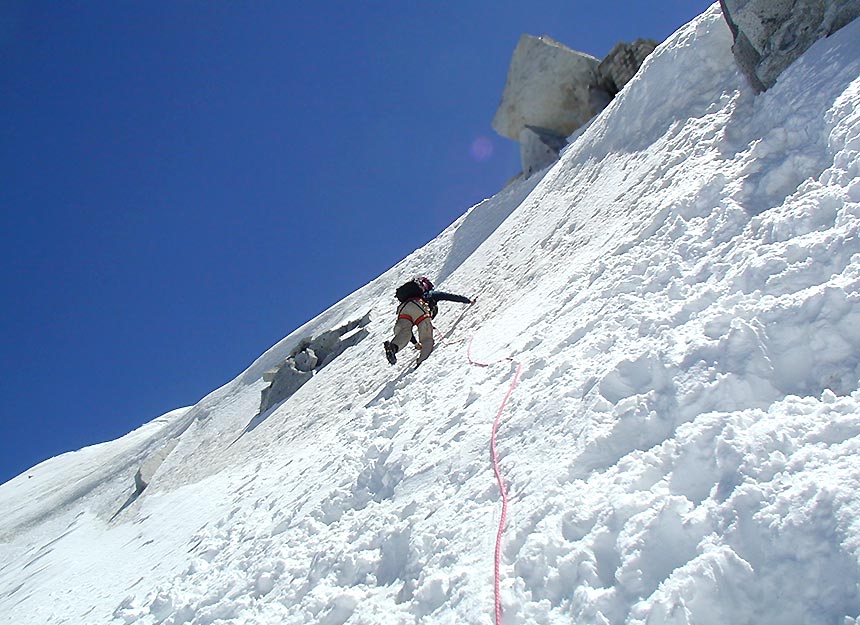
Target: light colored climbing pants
x=407, y=314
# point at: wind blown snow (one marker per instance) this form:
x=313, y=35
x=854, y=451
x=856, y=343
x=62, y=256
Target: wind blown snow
x=682, y=290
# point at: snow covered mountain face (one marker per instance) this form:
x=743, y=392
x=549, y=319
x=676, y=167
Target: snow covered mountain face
x=682, y=293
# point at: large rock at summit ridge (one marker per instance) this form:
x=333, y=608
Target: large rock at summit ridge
x=551, y=91
x=771, y=34
x=622, y=63
x=539, y=148
x=548, y=86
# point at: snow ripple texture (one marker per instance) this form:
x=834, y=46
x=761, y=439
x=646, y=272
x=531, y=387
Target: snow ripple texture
x=683, y=290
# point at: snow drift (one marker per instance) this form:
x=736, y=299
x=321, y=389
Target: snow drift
x=682, y=290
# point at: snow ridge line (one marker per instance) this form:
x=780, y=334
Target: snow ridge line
x=495, y=456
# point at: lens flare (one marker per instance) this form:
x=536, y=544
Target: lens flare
x=481, y=149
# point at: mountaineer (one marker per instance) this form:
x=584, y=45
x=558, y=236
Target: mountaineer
x=418, y=306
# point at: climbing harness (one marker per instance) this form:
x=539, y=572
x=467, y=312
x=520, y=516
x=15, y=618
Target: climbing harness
x=415, y=320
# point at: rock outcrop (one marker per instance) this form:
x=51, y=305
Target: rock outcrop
x=770, y=35
x=622, y=63
x=547, y=87
x=552, y=90
x=539, y=147
x=307, y=359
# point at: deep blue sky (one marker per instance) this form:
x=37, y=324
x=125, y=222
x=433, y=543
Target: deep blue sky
x=184, y=183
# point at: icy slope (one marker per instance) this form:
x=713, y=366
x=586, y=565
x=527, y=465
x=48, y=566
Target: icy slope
x=683, y=446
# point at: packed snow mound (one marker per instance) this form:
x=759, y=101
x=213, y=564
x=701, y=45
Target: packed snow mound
x=682, y=292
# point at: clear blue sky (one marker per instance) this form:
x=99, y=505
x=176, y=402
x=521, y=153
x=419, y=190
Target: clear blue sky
x=184, y=183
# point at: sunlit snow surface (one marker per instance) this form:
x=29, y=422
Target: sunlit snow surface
x=683, y=292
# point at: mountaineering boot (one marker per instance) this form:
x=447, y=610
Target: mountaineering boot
x=390, y=351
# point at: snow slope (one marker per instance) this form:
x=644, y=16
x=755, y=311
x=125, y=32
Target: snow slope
x=682, y=292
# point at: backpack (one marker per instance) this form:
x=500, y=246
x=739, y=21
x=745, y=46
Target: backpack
x=413, y=289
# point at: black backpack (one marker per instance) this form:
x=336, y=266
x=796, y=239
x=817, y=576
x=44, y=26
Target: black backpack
x=408, y=291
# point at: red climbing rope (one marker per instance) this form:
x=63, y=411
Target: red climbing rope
x=497, y=471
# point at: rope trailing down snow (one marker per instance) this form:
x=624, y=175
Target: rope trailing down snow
x=497, y=471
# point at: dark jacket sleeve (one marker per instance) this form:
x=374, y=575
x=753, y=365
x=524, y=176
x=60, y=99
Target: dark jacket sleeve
x=442, y=296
